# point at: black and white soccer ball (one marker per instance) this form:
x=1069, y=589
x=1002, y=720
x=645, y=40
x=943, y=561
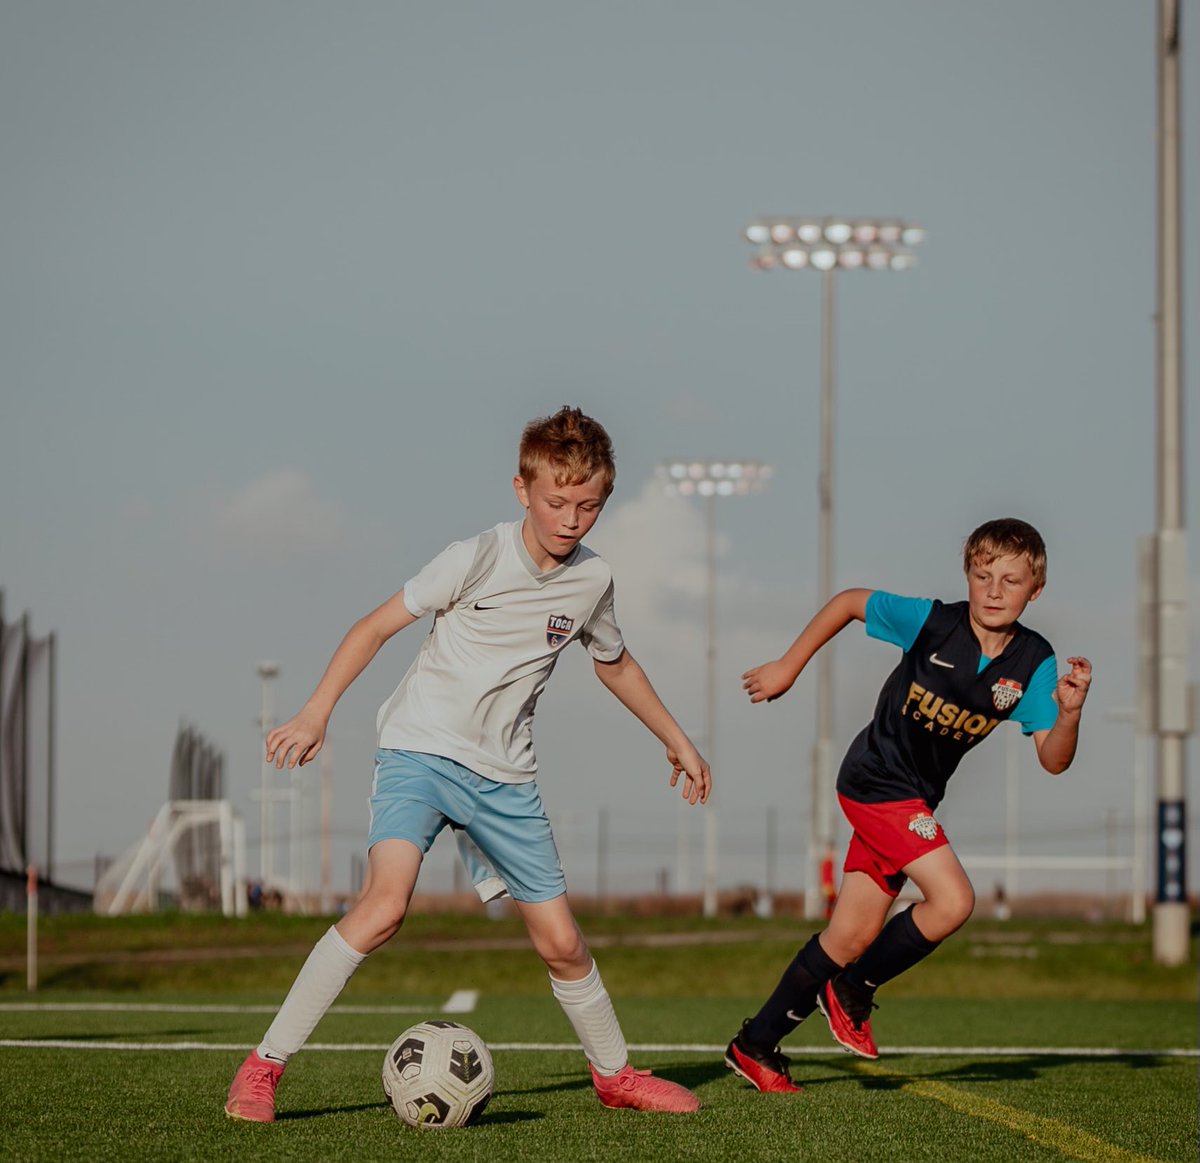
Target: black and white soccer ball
x=438, y=1074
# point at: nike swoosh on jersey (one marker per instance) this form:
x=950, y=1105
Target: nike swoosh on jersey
x=938, y=662
x=479, y=607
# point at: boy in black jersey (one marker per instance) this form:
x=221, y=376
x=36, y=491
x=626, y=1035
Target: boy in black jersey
x=967, y=667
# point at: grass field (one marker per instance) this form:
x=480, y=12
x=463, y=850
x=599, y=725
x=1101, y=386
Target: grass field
x=1014, y=1042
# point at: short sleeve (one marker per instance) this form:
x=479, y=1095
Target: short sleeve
x=1036, y=710
x=601, y=637
x=440, y=582
x=892, y=618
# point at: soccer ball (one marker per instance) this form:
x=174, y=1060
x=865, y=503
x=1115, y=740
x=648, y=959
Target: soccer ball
x=438, y=1074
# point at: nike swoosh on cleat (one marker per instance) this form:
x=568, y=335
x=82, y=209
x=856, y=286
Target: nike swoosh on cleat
x=934, y=659
x=793, y=1016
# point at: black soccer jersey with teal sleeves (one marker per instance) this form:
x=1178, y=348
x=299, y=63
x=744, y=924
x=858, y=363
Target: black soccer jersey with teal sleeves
x=942, y=700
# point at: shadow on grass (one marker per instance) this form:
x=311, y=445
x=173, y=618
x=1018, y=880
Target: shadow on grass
x=1023, y=1069
x=284, y=1116
x=488, y=1120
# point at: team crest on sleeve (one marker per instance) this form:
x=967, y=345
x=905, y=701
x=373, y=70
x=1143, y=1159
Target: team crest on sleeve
x=924, y=825
x=558, y=629
x=1006, y=692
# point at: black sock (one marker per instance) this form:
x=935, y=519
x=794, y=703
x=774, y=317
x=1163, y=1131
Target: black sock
x=795, y=996
x=899, y=946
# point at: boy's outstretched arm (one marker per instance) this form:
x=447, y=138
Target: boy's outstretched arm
x=1056, y=747
x=628, y=681
x=772, y=679
x=301, y=738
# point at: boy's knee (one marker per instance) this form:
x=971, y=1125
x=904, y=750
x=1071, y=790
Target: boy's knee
x=564, y=951
x=948, y=912
x=380, y=912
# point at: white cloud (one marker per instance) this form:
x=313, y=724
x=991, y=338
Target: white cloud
x=279, y=514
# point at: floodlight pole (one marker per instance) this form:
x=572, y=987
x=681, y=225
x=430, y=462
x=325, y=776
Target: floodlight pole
x=827, y=245
x=710, y=480
x=1171, y=700
x=711, y=899
x=821, y=824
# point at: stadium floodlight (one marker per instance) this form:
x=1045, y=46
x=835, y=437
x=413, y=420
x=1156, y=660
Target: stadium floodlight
x=828, y=245
x=710, y=479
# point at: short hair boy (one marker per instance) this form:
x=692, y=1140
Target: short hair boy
x=456, y=747
x=966, y=667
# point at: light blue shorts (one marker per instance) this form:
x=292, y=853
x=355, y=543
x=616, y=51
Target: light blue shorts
x=416, y=795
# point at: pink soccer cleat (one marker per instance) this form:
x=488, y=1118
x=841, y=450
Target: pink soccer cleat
x=252, y=1092
x=641, y=1091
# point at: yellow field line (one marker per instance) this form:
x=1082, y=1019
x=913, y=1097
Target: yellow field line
x=1062, y=1137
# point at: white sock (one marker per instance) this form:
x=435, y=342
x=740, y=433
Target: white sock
x=321, y=978
x=590, y=1011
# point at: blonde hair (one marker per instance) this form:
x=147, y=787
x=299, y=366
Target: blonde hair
x=574, y=447
x=1006, y=537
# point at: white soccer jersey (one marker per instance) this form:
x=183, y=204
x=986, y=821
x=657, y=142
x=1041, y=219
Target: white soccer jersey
x=499, y=625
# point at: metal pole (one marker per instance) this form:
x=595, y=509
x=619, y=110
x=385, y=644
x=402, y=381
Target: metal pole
x=1012, y=816
x=1137, y=909
x=602, y=858
x=51, y=760
x=31, y=928
x=1170, y=922
x=710, y=707
x=821, y=827
x=266, y=672
x=326, y=849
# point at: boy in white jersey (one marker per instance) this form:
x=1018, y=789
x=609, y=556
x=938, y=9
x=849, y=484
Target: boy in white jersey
x=456, y=748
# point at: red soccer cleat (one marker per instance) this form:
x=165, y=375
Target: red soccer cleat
x=641, y=1091
x=848, y=1012
x=252, y=1092
x=765, y=1070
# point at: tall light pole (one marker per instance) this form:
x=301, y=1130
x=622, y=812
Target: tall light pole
x=267, y=671
x=711, y=479
x=1169, y=683
x=828, y=245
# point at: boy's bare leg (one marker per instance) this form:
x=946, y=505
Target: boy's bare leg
x=392, y=869
x=577, y=987
x=949, y=897
x=858, y=916
x=908, y=938
x=575, y=981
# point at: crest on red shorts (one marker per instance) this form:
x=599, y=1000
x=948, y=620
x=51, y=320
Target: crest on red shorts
x=924, y=825
x=1006, y=692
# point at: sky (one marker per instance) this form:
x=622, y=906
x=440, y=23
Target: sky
x=282, y=283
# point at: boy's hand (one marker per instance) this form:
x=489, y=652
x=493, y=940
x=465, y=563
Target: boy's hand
x=297, y=741
x=767, y=682
x=1072, y=688
x=691, y=764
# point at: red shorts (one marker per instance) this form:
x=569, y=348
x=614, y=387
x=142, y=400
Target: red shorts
x=889, y=837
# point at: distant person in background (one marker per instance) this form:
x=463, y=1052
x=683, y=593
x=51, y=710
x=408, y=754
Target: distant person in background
x=456, y=747
x=966, y=667
x=828, y=881
x=1001, y=910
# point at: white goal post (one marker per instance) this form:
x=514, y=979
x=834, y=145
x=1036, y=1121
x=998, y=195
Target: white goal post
x=130, y=884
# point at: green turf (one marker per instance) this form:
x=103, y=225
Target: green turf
x=1021, y=987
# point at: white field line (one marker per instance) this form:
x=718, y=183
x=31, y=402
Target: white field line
x=461, y=1001
x=641, y=1047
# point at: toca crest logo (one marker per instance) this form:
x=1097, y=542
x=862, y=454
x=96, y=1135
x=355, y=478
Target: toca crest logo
x=558, y=629
x=924, y=825
x=1006, y=692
